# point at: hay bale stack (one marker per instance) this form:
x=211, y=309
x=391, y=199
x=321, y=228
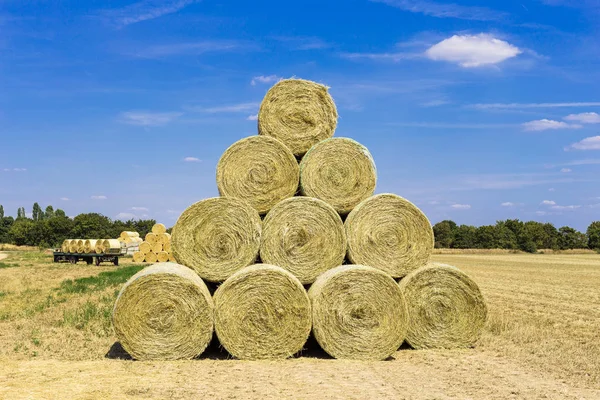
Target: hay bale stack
x=262, y=312
x=157, y=247
x=216, y=237
x=126, y=236
x=167, y=246
x=162, y=256
x=358, y=313
x=159, y=229
x=260, y=170
x=172, y=257
x=446, y=308
x=151, y=257
x=164, y=312
x=138, y=257
x=339, y=171
x=299, y=113
x=73, y=246
x=90, y=245
x=80, y=246
x=151, y=238
x=304, y=236
x=145, y=247
x=100, y=246
x=388, y=232
x=65, y=246
x=164, y=238
x=111, y=246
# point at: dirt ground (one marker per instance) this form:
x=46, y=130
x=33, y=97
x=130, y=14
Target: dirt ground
x=542, y=341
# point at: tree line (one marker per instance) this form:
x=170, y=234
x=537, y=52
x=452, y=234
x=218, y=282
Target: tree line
x=50, y=227
x=513, y=234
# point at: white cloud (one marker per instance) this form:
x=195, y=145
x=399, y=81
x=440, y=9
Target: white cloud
x=472, y=50
x=461, y=206
x=253, y=117
x=591, y=143
x=568, y=208
x=435, y=103
x=101, y=197
x=551, y=190
x=546, y=124
x=566, y=170
x=303, y=42
x=395, y=57
x=145, y=10
x=541, y=212
x=264, y=79
x=487, y=106
x=584, y=118
x=172, y=212
x=14, y=169
x=242, y=107
x=445, y=10
x=125, y=215
x=141, y=118
x=192, y=159
x=140, y=209
x=189, y=48
x=434, y=202
x=508, y=204
x=548, y=202
x=65, y=198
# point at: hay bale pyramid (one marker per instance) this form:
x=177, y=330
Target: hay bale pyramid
x=156, y=246
x=297, y=243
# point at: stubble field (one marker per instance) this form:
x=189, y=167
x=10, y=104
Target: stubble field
x=542, y=341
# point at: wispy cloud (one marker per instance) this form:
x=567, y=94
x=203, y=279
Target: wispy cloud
x=140, y=209
x=14, y=169
x=100, y=197
x=233, y=108
x=125, y=216
x=581, y=162
x=461, y=206
x=548, y=202
x=508, y=204
x=191, y=159
x=488, y=106
x=141, y=118
x=584, y=118
x=303, y=42
x=395, y=57
x=548, y=124
x=65, y=199
x=144, y=11
x=451, y=125
x=445, y=10
x=435, y=103
x=567, y=208
x=253, y=117
x=471, y=51
x=566, y=170
x=591, y=143
x=264, y=79
x=189, y=48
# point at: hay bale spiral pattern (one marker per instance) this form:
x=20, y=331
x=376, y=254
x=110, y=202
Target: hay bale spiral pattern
x=446, y=308
x=262, y=312
x=259, y=170
x=164, y=312
x=388, y=232
x=299, y=113
x=339, y=171
x=217, y=237
x=304, y=236
x=159, y=229
x=358, y=312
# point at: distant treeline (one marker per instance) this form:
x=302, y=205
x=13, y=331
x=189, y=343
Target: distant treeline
x=49, y=227
x=515, y=235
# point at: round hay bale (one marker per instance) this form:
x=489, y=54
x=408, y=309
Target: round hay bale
x=151, y=238
x=138, y=257
x=158, y=229
x=259, y=170
x=162, y=256
x=164, y=312
x=216, y=237
x=90, y=246
x=164, y=238
x=65, y=247
x=100, y=246
x=73, y=246
x=388, y=232
x=304, y=236
x=339, y=171
x=112, y=246
x=446, y=308
x=299, y=113
x=157, y=247
x=262, y=312
x=167, y=246
x=145, y=247
x=129, y=234
x=151, y=257
x=358, y=313
x=171, y=257
x=80, y=246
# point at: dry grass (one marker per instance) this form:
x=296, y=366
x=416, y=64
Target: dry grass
x=540, y=342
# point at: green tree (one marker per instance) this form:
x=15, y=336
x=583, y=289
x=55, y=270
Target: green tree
x=92, y=225
x=57, y=229
x=486, y=237
x=465, y=237
x=593, y=235
x=1, y=211
x=5, y=224
x=444, y=233
x=49, y=213
x=505, y=237
x=21, y=212
x=59, y=213
x=37, y=214
x=551, y=237
x=569, y=238
x=22, y=231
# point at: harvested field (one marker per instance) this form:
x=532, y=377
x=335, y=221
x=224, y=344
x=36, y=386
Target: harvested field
x=540, y=342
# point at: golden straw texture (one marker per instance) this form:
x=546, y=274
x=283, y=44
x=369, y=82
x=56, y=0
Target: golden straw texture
x=259, y=170
x=90, y=246
x=304, y=236
x=164, y=238
x=151, y=238
x=100, y=246
x=171, y=257
x=167, y=246
x=388, y=232
x=80, y=246
x=145, y=247
x=445, y=308
x=299, y=113
x=151, y=257
x=73, y=245
x=138, y=257
x=157, y=247
x=358, y=313
x=128, y=234
x=339, y=171
x=158, y=229
x=262, y=312
x=162, y=256
x=65, y=247
x=217, y=237
x=164, y=312
x=112, y=246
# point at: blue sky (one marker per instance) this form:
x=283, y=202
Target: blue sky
x=475, y=111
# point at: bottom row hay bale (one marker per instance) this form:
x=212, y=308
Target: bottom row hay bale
x=151, y=257
x=164, y=312
x=445, y=308
x=65, y=245
x=162, y=256
x=262, y=312
x=111, y=246
x=358, y=312
x=138, y=257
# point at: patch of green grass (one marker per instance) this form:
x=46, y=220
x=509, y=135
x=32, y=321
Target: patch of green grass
x=2, y=294
x=8, y=265
x=90, y=313
x=101, y=281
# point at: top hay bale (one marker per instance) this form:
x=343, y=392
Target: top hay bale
x=125, y=235
x=260, y=170
x=159, y=229
x=299, y=113
x=339, y=171
x=390, y=233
